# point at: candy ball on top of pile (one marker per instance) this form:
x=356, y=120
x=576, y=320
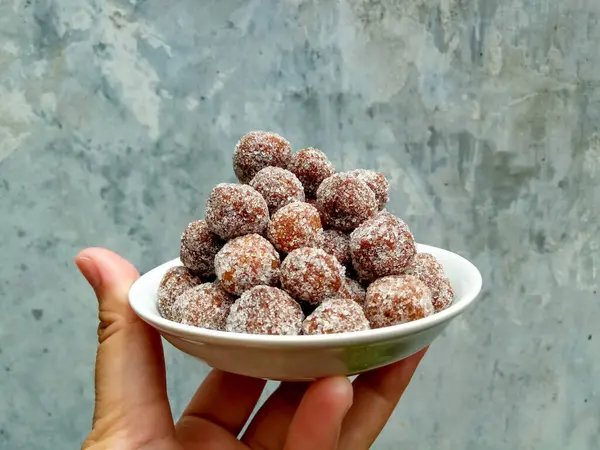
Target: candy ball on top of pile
x=298, y=248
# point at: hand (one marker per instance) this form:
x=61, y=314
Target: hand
x=132, y=410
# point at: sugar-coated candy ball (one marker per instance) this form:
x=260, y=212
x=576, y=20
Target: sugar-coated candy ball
x=175, y=282
x=245, y=262
x=278, y=187
x=397, y=299
x=311, y=275
x=265, y=310
x=353, y=290
x=377, y=182
x=381, y=246
x=295, y=225
x=337, y=315
x=199, y=246
x=428, y=269
x=257, y=150
x=206, y=305
x=235, y=210
x=311, y=166
x=337, y=243
x=345, y=201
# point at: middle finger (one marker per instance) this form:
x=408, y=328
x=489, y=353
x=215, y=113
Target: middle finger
x=223, y=399
x=269, y=427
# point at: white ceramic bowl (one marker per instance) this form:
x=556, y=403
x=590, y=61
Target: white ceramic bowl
x=308, y=357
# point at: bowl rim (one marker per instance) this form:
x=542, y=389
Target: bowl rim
x=196, y=334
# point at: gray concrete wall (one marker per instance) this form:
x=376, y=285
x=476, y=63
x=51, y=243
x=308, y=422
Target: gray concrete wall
x=118, y=116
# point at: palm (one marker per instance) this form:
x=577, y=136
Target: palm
x=132, y=410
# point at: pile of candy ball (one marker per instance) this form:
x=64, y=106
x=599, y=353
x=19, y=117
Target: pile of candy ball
x=296, y=248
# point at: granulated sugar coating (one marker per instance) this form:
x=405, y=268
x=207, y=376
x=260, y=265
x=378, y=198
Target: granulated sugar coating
x=311, y=166
x=337, y=243
x=377, y=182
x=175, y=282
x=259, y=149
x=381, y=246
x=311, y=275
x=397, y=299
x=198, y=248
x=425, y=267
x=278, y=187
x=353, y=290
x=345, y=201
x=313, y=202
x=205, y=306
x=338, y=315
x=245, y=262
x=265, y=310
x=234, y=210
x=294, y=226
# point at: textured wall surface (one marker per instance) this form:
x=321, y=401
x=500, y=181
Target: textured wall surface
x=117, y=117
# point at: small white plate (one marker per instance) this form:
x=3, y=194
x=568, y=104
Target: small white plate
x=308, y=357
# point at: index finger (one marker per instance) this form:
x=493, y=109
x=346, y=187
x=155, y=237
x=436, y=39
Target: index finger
x=376, y=395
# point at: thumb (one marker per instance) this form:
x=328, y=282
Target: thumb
x=130, y=374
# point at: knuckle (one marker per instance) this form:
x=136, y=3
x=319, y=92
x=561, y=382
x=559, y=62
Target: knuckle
x=109, y=325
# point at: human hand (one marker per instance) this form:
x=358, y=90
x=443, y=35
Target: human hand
x=132, y=409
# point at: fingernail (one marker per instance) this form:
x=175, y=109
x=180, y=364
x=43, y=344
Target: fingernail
x=89, y=270
x=350, y=395
x=343, y=389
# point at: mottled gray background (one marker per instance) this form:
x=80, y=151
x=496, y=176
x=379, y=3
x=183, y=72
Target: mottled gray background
x=117, y=117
